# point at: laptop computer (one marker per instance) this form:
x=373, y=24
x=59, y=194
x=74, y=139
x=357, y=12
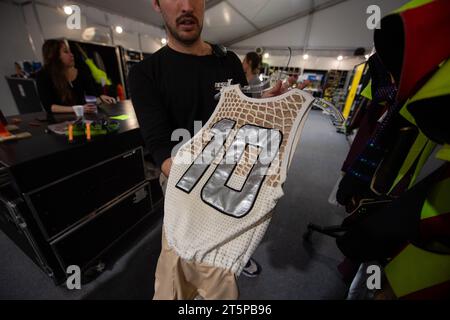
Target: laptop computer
x=25, y=94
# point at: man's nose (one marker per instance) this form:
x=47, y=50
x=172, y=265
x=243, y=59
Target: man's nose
x=187, y=5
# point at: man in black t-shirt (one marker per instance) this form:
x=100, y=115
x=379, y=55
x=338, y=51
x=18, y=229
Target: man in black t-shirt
x=176, y=86
x=172, y=89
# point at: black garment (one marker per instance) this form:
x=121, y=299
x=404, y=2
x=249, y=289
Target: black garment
x=83, y=85
x=432, y=115
x=171, y=90
x=378, y=232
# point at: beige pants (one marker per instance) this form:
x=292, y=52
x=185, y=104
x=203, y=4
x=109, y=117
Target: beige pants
x=177, y=279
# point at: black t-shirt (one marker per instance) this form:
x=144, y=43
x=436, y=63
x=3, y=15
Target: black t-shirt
x=82, y=86
x=171, y=90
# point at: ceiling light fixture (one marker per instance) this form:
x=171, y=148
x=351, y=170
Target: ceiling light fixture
x=266, y=55
x=340, y=58
x=163, y=41
x=68, y=10
x=305, y=57
x=119, y=29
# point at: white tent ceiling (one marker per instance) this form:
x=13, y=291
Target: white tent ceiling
x=252, y=17
x=336, y=24
x=225, y=20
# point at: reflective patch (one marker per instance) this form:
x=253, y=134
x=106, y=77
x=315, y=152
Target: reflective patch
x=221, y=130
x=216, y=192
x=238, y=203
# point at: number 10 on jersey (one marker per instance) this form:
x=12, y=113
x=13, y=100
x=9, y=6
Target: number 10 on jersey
x=216, y=192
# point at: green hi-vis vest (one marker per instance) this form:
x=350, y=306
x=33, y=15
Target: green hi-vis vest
x=367, y=91
x=438, y=85
x=444, y=153
x=99, y=75
x=411, y=5
x=415, y=269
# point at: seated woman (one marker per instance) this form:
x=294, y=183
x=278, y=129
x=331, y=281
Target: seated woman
x=251, y=65
x=62, y=86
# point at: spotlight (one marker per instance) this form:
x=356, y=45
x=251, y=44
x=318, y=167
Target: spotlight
x=367, y=57
x=88, y=34
x=68, y=10
x=305, y=57
x=266, y=55
x=163, y=41
x=119, y=29
x=340, y=58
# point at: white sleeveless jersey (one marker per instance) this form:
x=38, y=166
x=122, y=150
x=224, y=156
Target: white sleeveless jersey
x=225, y=182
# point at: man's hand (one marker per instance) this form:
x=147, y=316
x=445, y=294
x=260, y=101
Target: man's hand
x=165, y=167
x=277, y=90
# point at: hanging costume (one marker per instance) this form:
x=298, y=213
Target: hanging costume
x=403, y=40
x=413, y=231
x=380, y=84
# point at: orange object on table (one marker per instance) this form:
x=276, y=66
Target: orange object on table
x=120, y=92
x=3, y=131
x=88, y=131
x=70, y=132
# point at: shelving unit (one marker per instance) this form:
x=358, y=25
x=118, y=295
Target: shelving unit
x=268, y=71
x=358, y=99
x=129, y=58
x=335, y=87
x=110, y=61
x=316, y=80
x=117, y=61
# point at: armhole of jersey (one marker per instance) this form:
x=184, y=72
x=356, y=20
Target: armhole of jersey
x=297, y=135
x=294, y=137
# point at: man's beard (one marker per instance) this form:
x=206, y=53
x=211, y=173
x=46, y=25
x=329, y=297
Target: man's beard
x=187, y=40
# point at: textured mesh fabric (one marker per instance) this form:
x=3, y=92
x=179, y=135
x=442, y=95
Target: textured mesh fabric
x=198, y=231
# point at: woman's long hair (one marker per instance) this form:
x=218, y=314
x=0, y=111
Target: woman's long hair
x=254, y=60
x=56, y=69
